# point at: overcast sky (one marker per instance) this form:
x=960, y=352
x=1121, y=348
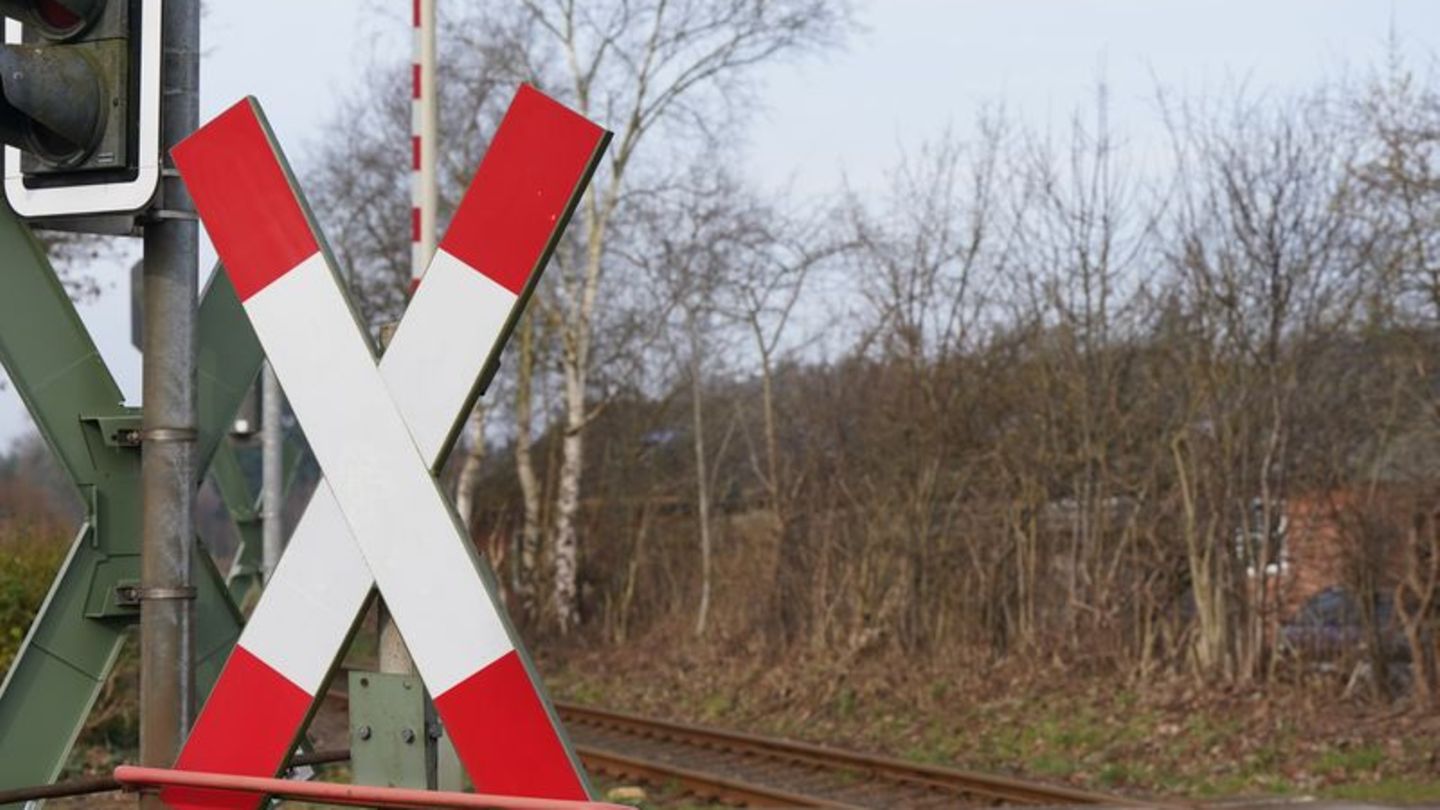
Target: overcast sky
x=920, y=66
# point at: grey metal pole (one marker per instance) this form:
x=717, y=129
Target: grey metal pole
x=272, y=442
x=169, y=419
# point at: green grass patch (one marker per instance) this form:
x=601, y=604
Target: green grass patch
x=1404, y=791
x=1352, y=761
x=1052, y=765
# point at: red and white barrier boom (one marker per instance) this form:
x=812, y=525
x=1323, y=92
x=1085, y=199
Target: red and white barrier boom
x=378, y=518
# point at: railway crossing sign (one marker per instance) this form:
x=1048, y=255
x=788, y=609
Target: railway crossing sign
x=378, y=519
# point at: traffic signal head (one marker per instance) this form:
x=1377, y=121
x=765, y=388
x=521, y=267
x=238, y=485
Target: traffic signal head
x=55, y=19
x=52, y=105
x=79, y=105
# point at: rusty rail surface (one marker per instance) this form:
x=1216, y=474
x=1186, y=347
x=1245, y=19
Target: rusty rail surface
x=751, y=770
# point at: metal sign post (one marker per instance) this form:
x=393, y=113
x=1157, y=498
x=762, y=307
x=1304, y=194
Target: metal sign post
x=393, y=655
x=246, y=573
x=424, y=130
x=168, y=464
x=365, y=424
x=69, y=651
x=272, y=470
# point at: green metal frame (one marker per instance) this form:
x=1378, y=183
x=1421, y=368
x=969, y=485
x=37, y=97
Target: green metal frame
x=70, y=649
x=246, y=574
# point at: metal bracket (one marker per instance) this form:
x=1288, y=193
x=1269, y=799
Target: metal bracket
x=107, y=224
x=133, y=595
x=396, y=738
x=117, y=431
x=157, y=210
x=126, y=431
x=158, y=214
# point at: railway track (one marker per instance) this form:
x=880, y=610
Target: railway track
x=753, y=771
x=749, y=770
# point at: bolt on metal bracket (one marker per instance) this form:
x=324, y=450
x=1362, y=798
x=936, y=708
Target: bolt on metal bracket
x=117, y=430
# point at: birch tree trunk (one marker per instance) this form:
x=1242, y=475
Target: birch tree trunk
x=575, y=371
x=1206, y=587
x=525, y=468
x=469, y=479
x=565, y=547
x=702, y=487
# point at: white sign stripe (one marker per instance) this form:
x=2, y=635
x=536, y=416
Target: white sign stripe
x=312, y=598
x=443, y=333
x=396, y=513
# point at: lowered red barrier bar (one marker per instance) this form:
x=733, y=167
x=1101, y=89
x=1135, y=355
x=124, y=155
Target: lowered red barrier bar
x=134, y=777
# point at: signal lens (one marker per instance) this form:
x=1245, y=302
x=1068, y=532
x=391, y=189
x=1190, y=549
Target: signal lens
x=57, y=16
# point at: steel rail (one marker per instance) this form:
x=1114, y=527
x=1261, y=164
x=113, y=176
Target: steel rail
x=982, y=786
x=989, y=787
x=698, y=783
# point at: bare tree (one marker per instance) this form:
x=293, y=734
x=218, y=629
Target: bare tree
x=71, y=253
x=929, y=258
x=530, y=539
x=1268, y=255
x=693, y=240
x=1400, y=198
x=677, y=65
x=469, y=477
x=763, y=297
x=1084, y=234
x=1057, y=411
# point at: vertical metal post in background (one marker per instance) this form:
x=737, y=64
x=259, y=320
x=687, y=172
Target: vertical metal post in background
x=272, y=471
x=393, y=656
x=424, y=123
x=423, y=119
x=395, y=713
x=169, y=415
x=391, y=653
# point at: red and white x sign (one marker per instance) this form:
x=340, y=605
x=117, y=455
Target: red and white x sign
x=378, y=518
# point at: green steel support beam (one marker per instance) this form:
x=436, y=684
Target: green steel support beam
x=70, y=649
x=246, y=573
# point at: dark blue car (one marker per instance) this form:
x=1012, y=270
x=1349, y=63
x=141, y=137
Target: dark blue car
x=1331, y=625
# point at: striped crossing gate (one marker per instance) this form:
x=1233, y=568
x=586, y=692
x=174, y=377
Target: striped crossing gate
x=379, y=431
